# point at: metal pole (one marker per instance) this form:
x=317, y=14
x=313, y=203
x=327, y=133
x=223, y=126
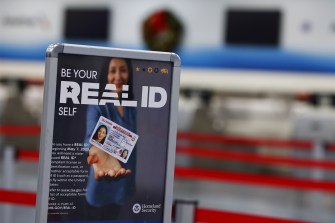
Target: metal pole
x=318, y=154
x=185, y=211
x=318, y=174
x=9, y=170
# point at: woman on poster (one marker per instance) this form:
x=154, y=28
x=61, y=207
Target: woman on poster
x=110, y=184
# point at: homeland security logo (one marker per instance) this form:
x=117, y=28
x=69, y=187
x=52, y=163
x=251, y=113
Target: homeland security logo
x=146, y=208
x=137, y=208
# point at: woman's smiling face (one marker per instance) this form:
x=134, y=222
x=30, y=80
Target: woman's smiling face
x=118, y=73
x=102, y=133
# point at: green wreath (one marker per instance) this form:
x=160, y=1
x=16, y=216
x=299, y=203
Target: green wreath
x=162, y=31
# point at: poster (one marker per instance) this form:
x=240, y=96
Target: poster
x=131, y=98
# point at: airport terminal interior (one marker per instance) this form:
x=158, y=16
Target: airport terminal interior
x=256, y=115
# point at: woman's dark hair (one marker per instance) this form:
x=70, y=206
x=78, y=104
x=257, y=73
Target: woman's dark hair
x=104, y=76
x=125, y=150
x=95, y=136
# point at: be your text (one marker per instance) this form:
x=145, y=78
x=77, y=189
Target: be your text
x=88, y=74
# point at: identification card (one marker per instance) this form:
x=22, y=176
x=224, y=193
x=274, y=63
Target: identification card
x=113, y=139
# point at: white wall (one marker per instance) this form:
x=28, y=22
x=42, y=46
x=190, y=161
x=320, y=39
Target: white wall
x=42, y=21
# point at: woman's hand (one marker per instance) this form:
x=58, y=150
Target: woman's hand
x=105, y=165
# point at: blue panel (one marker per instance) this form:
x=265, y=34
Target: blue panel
x=258, y=59
x=247, y=58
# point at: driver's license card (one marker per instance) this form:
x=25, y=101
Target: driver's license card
x=113, y=139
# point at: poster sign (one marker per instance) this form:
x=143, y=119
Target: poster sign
x=108, y=135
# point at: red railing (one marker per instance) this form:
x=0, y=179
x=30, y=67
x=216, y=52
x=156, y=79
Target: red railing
x=17, y=197
x=228, y=176
x=221, y=154
x=25, y=155
x=206, y=215
x=32, y=130
x=215, y=216
x=245, y=141
x=254, y=179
